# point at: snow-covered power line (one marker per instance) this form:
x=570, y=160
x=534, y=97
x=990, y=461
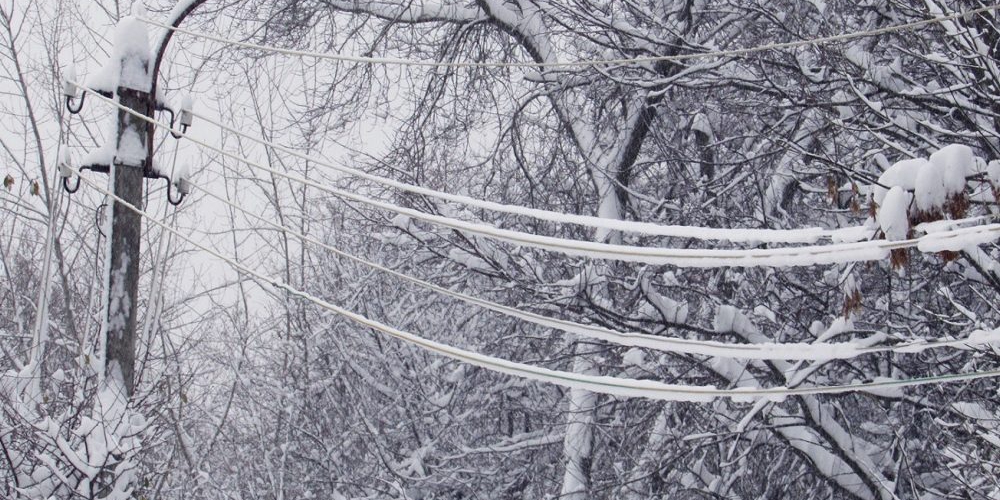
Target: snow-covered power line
x=769, y=351
x=802, y=235
x=600, y=384
x=578, y=64
x=954, y=240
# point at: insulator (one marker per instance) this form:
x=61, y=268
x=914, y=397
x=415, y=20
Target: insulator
x=69, y=88
x=187, y=111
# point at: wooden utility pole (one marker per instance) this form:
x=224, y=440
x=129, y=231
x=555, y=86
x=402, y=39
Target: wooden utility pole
x=122, y=279
x=132, y=163
x=137, y=71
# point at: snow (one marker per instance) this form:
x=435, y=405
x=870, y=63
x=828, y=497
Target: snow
x=853, y=447
x=469, y=260
x=609, y=208
x=701, y=125
x=13, y=382
x=993, y=172
x=959, y=239
x=956, y=161
x=680, y=345
x=977, y=411
x=579, y=439
x=726, y=318
x=730, y=319
x=104, y=155
x=929, y=191
x=984, y=338
x=857, y=54
x=841, y=101
x=851, y=234
x=765, y=313
x=634, y=357
x=943, y=176
x=902, y=174
x=119, y=300
x=838, y=326
x=933, y=182
x=684, y=257
x=660, y=308
x=128, y=63
x=893, y=215
x=69, y=82
x=885, y=391
x=583, y=382
x=413, y=465
x=945, y=225
x=673, y=306
x=131, y=149
x=608, y=219
x=65, y=161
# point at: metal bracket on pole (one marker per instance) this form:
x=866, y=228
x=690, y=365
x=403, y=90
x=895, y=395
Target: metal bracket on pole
x=177, y=189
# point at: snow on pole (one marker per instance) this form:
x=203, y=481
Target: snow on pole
x=126, y=74
x=128, y=60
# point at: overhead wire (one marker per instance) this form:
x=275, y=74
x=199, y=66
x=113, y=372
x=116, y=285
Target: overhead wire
x=609, y=385
x=771, y=351
x=681, y=257
x=581, y=63
x=600, y=384
x=802, y=235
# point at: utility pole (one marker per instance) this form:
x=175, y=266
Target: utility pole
x=135, y=70
x=131, y=164
x=122, y=278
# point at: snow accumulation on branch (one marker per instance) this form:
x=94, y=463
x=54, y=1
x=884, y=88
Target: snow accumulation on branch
x=932, y=195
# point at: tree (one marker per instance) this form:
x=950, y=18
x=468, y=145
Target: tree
x=288, y=401
x=776, y=139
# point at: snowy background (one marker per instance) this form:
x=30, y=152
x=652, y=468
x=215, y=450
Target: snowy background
x=510, y=249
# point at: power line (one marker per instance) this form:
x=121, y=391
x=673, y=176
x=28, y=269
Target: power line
x=681, y=257
x=584, y=63
x=600, y=384
x=804, y=235
x=783, y=351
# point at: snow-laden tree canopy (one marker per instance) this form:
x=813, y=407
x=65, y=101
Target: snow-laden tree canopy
x=683, y=214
